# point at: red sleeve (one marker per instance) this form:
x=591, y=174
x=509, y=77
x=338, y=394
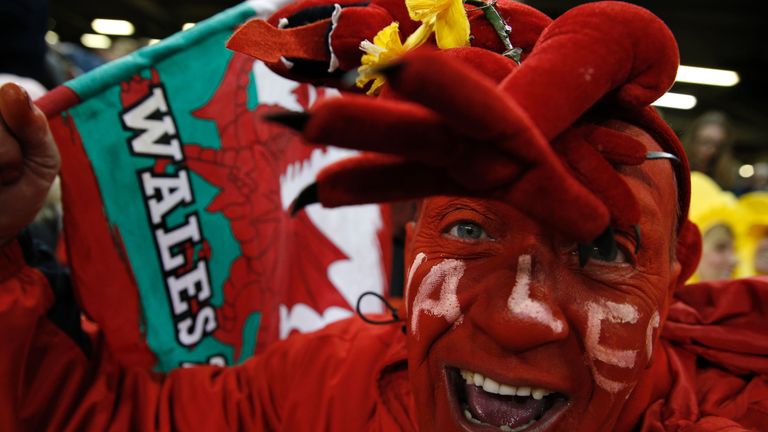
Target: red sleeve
x=48, y=383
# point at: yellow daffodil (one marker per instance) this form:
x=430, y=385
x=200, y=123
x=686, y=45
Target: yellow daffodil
x=447, y=18
x=385, y=48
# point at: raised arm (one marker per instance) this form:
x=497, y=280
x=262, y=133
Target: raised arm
x=48, y=381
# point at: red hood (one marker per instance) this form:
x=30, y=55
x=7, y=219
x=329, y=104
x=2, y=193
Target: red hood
x=711, y=373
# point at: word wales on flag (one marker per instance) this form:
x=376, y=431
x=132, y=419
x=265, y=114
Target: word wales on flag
x=175, y=205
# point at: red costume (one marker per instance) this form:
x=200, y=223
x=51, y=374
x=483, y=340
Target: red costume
x=711, y=373
x=559, y=284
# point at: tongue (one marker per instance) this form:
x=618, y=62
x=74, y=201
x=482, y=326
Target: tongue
x=497, y=410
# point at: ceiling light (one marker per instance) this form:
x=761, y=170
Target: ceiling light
x=51, y=37
x=706, y=76
x=187, y=26
x=746, y=171
x=676, y=101
x=112, y=27
x=95, y=41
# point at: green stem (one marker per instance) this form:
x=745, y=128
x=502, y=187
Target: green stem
x=502, y=28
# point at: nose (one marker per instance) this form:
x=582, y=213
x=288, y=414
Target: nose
x=733, y=262
x=527, y=316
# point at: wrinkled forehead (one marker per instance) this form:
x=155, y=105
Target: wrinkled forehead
x=653, y=182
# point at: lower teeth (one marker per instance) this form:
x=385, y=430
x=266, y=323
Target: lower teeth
x=504, y=428
x=469, y=417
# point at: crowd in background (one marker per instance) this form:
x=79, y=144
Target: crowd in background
x=730, y=210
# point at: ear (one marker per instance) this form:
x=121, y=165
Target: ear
x=675, y=272
x=684, y=263
x=688, y=250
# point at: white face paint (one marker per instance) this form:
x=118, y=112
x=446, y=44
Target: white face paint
x=447, y=274
x=417, y=262
x=614, y=313
x=652, y=324
x=521, y=304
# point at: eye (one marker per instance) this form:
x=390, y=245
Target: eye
x=605, y=254
x=468, y=231
x=605, y=249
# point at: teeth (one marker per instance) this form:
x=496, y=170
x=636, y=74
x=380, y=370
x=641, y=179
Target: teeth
x=523, y=391
x=506, y=390
x=538, y=393
x=478, y=380
x=491, y=386
x=504, y=428
x=469, y=417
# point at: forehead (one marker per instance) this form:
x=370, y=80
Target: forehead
x=652, y=183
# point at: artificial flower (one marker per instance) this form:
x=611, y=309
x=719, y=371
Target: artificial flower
x=385, y=48
x=447, y=18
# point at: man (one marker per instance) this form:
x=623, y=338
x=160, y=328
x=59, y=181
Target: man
x=537, y=286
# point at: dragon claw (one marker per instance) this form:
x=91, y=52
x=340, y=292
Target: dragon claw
x=307, y=196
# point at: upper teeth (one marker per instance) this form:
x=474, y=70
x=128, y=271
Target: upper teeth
x=494, y=387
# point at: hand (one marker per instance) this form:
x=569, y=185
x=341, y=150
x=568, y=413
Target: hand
x=29, y=160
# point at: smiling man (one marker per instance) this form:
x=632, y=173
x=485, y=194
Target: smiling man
x=544, y=269
x=508, y=329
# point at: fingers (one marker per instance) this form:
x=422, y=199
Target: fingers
x=373, y=178
x=462, y=96
x=385, y=126
x=554, y=197
x=28, y=125
x=610, y=48
x=617, y=147
x=602, y=179
x=11, y=158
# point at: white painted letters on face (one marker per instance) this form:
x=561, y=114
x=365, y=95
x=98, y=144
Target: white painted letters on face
x=614, y=313
x=652, y=324
x=521, y=304
x=447, y=274
x=417, y=262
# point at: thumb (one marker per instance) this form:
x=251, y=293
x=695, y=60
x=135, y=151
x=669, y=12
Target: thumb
x=29, y=126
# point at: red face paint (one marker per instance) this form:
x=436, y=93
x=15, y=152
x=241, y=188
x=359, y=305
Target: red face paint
x=507, y=331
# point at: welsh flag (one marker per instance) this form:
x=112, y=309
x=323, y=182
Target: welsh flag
x=175, y=205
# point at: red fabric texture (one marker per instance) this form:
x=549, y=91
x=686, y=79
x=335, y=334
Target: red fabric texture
x=609, y=52
x=356, y=24
x=715, y=360
x=449, y=122
x=348, y=377
x=710, y=374
x=493, y=151
x=261, y=40
x=97, y=297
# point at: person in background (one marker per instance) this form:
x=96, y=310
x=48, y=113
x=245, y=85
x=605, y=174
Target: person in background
x=752, y=235
x=714, y=211
x=708, y=144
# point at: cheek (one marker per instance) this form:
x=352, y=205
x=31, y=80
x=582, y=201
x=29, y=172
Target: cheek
x=417, y=262
x=619, y=341
x=433, y=290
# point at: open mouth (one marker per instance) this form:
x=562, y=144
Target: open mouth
x=484, y=403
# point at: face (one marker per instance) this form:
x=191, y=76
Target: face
x=506, y=330
x=761, y=256
x=709, y=139
x=718, y=255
